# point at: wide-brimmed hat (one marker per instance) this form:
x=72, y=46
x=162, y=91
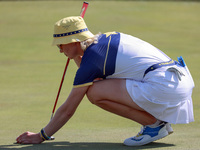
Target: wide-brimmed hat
x=70, y=29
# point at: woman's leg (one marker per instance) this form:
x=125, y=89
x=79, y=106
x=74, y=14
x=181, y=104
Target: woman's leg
x=111, y=95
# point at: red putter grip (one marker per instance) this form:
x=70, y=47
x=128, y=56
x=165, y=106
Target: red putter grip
x=84, y=8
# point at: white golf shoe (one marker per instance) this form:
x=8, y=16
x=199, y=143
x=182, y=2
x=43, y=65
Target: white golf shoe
x=169, y=128
x=149, y=134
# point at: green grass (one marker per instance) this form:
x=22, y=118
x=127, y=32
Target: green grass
x=31, y=69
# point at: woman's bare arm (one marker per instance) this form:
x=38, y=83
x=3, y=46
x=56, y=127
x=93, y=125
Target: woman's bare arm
x=62, y=115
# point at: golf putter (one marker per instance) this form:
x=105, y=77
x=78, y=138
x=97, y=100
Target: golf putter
x=83, y=10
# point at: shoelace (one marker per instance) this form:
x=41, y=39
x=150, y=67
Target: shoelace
x=140, y=133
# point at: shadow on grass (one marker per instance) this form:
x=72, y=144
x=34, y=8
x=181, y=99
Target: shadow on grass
x=81, y=146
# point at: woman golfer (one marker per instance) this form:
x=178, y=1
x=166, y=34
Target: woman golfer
x=125, y=76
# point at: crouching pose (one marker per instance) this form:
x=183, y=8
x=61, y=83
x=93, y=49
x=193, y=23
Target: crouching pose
x=125, y=76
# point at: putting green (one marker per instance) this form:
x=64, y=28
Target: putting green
x=31, y=69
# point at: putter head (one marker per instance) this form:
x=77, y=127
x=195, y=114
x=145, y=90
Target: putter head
x=52, y=138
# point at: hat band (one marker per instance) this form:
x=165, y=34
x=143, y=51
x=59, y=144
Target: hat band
x=70, y=33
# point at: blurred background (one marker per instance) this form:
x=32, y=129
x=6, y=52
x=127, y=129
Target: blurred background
x=31, y=69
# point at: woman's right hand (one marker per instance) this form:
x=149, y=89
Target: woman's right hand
x=29, y=138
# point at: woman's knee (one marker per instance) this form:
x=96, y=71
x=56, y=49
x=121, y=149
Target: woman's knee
x=92, y=94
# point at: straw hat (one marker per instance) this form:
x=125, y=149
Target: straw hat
x=70, y=29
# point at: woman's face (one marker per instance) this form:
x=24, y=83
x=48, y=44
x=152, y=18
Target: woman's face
x=71, y=50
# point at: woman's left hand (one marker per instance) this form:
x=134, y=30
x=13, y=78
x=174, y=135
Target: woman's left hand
x=29, y=138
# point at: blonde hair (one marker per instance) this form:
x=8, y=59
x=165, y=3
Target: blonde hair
x=85, y=44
